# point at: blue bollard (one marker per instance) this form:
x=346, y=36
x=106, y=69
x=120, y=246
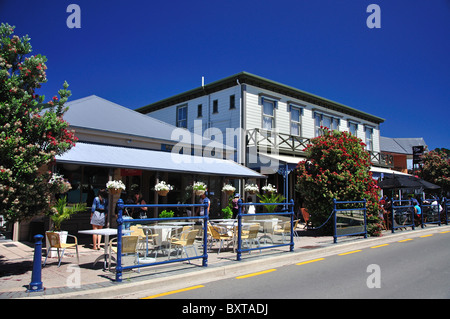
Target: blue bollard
x=36, y=281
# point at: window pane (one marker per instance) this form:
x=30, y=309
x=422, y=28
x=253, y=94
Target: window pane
x=326, y=121
x=267, y=123
x=268, y=108
x=295, y=115
x=295, y=129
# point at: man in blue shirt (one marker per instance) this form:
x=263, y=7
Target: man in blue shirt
x=204, y=200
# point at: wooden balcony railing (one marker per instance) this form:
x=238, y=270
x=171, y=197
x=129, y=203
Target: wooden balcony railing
x=295, y=145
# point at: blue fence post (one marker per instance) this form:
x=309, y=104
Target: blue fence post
x=392, y=214
x=335, y=221
x=36, y=276
x=292, y=224
x=119, y=241
x=239, y=216
x=365, y=218
x=205, y=237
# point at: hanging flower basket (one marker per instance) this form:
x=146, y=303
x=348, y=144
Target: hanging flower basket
x=115, y=187
x=199, y=188
x=163, y=188
x=251, y=188
x=228, y=189
x=115, y=191
x=163, y=193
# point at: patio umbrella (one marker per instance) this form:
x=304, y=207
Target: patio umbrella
x=399, y=181
x=425, y=184
x=403, y=181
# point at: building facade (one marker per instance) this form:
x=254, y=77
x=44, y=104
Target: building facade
x=269, y=123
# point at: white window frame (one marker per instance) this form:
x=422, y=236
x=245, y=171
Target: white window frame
x=294, y=121
x=180, y=121
x=318, y=122
x=268, y=116
x=355, y=125
x=368, y=139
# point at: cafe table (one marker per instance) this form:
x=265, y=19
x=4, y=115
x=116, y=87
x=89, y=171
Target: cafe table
x=163, y=231
x=103, y=232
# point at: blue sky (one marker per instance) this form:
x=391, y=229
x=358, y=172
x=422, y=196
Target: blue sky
x=138, y=52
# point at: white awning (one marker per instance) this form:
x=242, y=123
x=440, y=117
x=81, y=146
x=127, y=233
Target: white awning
x=132, y=158
x=377, y=171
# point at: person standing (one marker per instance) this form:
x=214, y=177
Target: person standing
x=204, y=200
x=99, y=213
x=235, y=205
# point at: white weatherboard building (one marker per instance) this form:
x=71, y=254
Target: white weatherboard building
x=269, y=123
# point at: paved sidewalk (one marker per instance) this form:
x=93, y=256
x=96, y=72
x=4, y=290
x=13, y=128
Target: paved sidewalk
x=79, y=281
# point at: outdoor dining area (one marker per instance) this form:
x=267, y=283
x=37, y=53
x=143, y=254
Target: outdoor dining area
x=160, y=242
x=411, y=203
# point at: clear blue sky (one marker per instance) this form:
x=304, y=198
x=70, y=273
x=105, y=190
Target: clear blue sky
x=138, y=52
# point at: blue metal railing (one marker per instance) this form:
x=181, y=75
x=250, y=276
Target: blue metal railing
x=402, y=214
x=123, y=222
x=430, y=213
x=349, y=228
x=289, y=210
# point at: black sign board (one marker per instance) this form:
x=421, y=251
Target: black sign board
x=417, y=153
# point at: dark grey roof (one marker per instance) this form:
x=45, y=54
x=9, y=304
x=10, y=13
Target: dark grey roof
x=251, y=79
x=400, y=145
x=96, y=113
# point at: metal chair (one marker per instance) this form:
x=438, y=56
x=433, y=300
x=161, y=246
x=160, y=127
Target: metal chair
x=55, y=242
x=187, y=239
x=129, y=246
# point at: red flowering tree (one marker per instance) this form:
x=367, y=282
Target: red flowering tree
x=436, y=169
x=337, y=166
x=32, y=132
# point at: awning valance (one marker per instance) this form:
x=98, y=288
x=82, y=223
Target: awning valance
x=132, y=158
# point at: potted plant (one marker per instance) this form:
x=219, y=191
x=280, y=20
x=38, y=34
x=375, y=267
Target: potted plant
x=270, y=198
x=166, y=214
x=227, y=212
x=251, y=188
x=58, y=214
x=163, y=188
x=115, y=187
x=199, y=188
x=228, y=189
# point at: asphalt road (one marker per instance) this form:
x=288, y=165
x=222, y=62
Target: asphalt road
x=418, y=267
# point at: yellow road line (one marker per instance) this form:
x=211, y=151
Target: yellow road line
x=445, y=232
x=426, y=236
x=403, y=240
x=350, y=252
x=310, y=261
x=380, y=246
x=255, y=274
x=173, y=292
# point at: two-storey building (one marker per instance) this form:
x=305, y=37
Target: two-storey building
x=269, y=123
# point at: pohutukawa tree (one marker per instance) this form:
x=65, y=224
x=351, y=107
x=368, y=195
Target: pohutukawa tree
x=32, y=132
x=337, y=166
x=436, y=169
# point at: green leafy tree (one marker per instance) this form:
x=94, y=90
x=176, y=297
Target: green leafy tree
x=337, y=166
x=436, y=169
x=32, y=132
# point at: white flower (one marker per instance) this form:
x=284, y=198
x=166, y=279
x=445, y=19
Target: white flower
x=199, y=186
x=115, y=185
x=269, y=188
x=251, y=188
x=228, y=188
x=163, y=186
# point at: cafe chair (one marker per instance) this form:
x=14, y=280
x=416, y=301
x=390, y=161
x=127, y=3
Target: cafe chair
x=137, y=231
x=214, y=235
x=285, y=229
x=129, y=246
x=187, y=239
x=250, y=236
x=306, y=217
x=55, y=242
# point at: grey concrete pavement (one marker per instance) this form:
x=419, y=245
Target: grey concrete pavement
x=84, y=280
